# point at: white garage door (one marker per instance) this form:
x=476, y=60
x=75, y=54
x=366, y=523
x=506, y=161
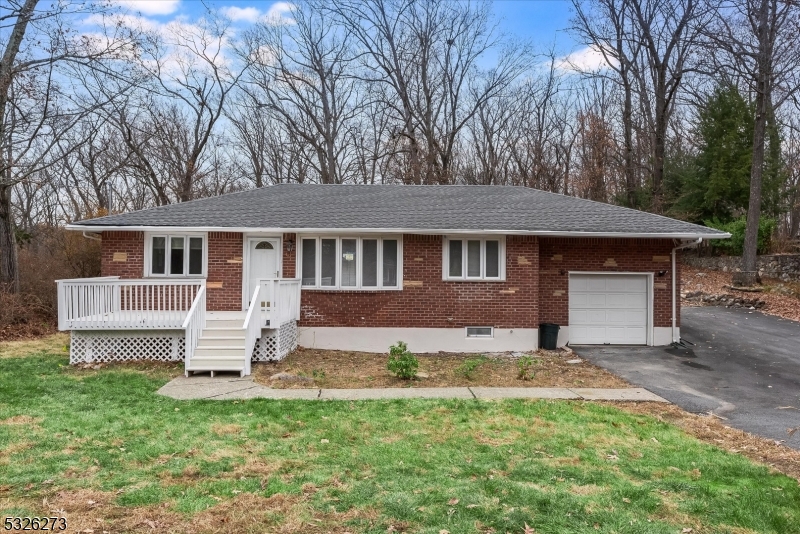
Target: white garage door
x=608, y=309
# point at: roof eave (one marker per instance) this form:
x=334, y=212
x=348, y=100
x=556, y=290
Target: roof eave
x=424, y=231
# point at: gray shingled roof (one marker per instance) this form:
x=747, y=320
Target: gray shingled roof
x=294, y=207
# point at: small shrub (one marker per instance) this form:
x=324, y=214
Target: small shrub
x=318, y=374
x=525, y=368
x=402, y=363
x=468, y=367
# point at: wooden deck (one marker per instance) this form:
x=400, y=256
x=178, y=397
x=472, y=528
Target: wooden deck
x=152, y=320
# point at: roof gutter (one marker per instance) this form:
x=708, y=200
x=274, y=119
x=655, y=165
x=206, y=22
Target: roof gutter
x=421, y=231
x=676, y=338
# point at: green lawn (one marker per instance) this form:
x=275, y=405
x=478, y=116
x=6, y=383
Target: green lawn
x=103, y=448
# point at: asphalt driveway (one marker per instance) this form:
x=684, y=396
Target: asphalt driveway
x=745, y=367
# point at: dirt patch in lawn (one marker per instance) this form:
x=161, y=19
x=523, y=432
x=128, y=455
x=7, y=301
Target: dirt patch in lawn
x=712, y=430
x=20, y=348
x=780, y=298
x=96, y=511
x=348, y=370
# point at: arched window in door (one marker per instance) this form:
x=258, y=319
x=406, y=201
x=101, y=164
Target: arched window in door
x=264, y=245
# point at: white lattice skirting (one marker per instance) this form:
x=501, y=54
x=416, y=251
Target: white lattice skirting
x=276, y=344
x=89, y=346
x=95, y=346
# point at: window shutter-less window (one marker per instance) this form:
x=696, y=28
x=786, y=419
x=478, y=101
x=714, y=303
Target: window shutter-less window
x=159, y=255
x=309, y=267
x=328, y=256
x=390, y=263
x=195, y=255
x=455, y=258
x=369, y=266
x=176, y=255
x=492, y=259
x=349, y=262
x=474, y=259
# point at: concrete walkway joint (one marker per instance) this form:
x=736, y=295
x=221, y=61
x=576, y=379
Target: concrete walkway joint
x=222, y=388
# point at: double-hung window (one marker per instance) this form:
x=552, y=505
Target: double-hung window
x=351, y=262
x=176, y=255
x=474, y=258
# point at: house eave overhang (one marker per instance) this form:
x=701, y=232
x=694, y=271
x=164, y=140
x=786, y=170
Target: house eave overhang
x=422, y=231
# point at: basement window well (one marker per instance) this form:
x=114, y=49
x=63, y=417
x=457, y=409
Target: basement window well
x=480, y=331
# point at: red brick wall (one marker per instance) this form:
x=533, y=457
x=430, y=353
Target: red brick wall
x=631, y=255
x=436, y=303
x=225, y=268
x=522, y=301
x=131, y=244
x=224, y=264
x=289, y=255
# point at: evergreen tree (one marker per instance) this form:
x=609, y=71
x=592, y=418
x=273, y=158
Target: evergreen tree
x=717, y=186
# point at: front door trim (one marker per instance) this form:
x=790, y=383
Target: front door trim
x=248, y=239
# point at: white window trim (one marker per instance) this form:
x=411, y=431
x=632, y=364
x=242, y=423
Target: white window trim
x=490, y=336
x=148, y=252
x=464, y=278
x=359, y=255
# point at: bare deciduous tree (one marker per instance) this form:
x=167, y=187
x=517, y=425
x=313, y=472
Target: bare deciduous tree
x=35, y=110
x=759, y=42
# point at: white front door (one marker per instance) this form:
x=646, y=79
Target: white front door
x=264, y=262
x=608, y=309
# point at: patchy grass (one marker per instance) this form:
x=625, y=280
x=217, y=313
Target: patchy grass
x=344, y=369
x=99, y=447
x=53, y=344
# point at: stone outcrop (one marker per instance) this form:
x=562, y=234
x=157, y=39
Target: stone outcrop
x=725, y=299
x=785, y=267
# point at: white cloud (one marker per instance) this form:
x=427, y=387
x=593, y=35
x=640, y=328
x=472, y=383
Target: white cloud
x=126, y=20
x=277, y=12
x=241, y=13
x=151, y=7
x=588, y=59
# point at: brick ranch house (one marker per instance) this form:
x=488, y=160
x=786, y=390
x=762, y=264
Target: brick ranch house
x=242, y=277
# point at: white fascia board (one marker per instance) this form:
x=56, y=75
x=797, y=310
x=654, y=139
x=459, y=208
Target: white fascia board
x=342, y=231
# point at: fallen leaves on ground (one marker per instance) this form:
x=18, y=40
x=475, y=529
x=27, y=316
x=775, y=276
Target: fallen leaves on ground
x=711, y=430
x=347, y=369
x=714, y=282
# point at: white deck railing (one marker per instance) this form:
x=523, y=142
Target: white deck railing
x=252, y=329
x=194, y=324
x=280, y=299
x=111, y=303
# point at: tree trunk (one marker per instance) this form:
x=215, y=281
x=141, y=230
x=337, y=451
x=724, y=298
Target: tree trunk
x=627, y=122
x=659, y=148
x=9, y=271
x=749, y=274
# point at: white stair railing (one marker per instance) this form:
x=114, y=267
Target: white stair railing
x=281, y=299
x=288, y=300
x=252, y=328
x=194, y=324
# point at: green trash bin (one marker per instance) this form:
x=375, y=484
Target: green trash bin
x=548, y=336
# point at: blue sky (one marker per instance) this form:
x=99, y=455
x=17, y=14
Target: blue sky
x=544, y=22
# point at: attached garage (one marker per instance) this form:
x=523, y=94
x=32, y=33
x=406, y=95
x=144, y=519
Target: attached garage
x=609, y=309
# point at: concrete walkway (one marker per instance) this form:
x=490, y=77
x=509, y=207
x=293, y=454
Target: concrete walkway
x=226, y=388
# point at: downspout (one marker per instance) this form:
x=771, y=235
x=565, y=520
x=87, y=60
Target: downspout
x=92, y=237
x=675, y=337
